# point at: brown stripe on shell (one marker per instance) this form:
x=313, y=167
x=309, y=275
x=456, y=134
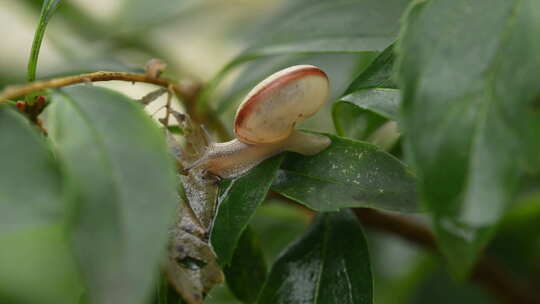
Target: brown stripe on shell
x=248, y=105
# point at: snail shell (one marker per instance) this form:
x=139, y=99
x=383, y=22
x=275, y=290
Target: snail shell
x=271, y=109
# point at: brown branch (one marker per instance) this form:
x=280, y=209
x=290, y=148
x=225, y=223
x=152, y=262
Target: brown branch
x=19, y=91
x=488, y=272
x=187, y=95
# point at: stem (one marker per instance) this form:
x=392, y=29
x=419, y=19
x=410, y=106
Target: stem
x=47, y=11
x=19, y=91
x=188, y=97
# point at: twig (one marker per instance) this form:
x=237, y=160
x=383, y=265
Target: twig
x=488, y=272
x=188, y=97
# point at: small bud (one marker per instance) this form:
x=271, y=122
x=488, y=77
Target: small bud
x=154, y=68
x=21, y=105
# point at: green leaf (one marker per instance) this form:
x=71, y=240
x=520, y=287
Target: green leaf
x=247, y=272
x=381, y=101
x=36, y=265
x=379, y=74
x=332, y=26
x=238, y=200
x=289, y=219
x=336, y=26
x=360, y=114
x=347, y=174
x=371, y=100
x=329, y=264
x=517, y=242
x=123, y=187
x=27, y=164
x=47, y=10
x=470, y=107
x=136, y=16
x=398, y=267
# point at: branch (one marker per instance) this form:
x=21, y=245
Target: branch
x=187, y=96
x=488, y=272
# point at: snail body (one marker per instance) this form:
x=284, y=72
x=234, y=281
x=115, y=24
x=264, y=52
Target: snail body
x=265, y=121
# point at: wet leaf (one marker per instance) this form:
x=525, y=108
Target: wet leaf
x=347, y=174
x=123, y=188
x=329, y=264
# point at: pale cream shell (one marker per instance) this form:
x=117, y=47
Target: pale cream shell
x=270, y=111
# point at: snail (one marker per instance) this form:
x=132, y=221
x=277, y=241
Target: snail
x=265, y=120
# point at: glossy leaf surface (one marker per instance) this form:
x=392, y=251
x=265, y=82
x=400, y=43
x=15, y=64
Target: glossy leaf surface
x=329, y=264
x=349, y=173
x=470, y=107
x=123, y=188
